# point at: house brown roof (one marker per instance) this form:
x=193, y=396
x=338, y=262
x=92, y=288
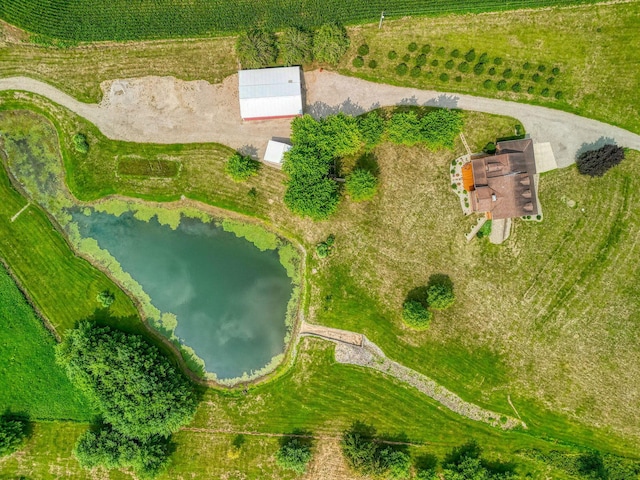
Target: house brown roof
x=503, y=183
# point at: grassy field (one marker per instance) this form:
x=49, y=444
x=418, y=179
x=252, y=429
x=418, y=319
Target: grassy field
x=89, y=20
x=30, y=381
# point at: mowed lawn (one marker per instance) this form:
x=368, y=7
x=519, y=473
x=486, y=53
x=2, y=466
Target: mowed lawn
x=30, y=381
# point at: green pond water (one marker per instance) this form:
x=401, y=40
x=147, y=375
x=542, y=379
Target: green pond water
x=230, y=298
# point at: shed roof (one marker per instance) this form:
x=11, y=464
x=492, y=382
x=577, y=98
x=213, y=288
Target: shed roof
x=275, y=151
x=270, y=93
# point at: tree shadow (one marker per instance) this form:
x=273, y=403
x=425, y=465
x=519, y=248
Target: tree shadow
x=500, y=468
x=238, y=441
x=365, y=431
x=418, y=294
x=303, y=437
x=440, y=279
x=471, y=449
x=443, y=101
x=397, y=442
x=601, y=142
x=368, y=161
x=21, y=416
x=426, y=462
x=249, y=151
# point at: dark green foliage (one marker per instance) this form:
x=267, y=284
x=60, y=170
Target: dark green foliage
x=508, y=73
x=590, y=465
x=105, y=298
x=416, y=315
x=371, y=128
x=406, y=57
x=241, y=167
x=440, y=292
x=415, y=71
x=527, y=66
x=535, y=77
x=135, y=388
x=466, y=463
x=492, y=71
x=358, y=62
x=487, y=83
x=434, y=62
x=484, y=58
x=323, y=249
x=497, y=61
x=470, y=56
x=373, y=64
x=111, y=449
x=296, y=46
x=501, y=85
x=440, y=128
x=516, y=87
x=80, y=143
x=555, y=70
x=361, y=185
x=257, y=48
x=404, y=128
x=464, y=67
x=294, y=455
x=491, y=149
x=425, y=49
x=363, y=49
x=330, y=43
x=402, y=69
x=392, y=55
x=551, y=80
x=478, y=68
x=421, y=60
x=455, y=53
x=545, y=92
x=458, y=79
x=450, y=64
x=597, y=162
x=412, y=47
x=444, y=77
x=13, y=431
x=531, y=89
x=558, y=95
x=521, y=76
x=541, y=68
x=441, y=52
x=485, y=230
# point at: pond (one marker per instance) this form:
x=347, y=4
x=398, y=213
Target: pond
x=230, y=298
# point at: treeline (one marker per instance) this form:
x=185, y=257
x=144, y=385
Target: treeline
x=312, y=190
x=295, y=46
x=142, y=398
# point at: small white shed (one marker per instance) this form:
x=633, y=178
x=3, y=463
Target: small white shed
x=275, y=151
x=268, y=93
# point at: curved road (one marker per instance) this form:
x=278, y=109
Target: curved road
x=165, y=110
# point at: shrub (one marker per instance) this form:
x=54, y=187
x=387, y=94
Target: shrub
x=415, y=315
x=455, y=53
x=373, y=64
x=508, y=73
x=555, y=70
x=415, y=71
x=294, y=455
x=425, y=49
x=558, y=95
x=80, y=143
x=429, y=75
x=492, y=71
x=330, y=43
x=361, y=185
x=434, y=62
x=545, y=92
x=313, y=198
x=406, y=57
x=440, y=294
x=458, y=79
x=464, y=67
x=470, y=56
x=535, y=77
x=412, y=47
x=444, y=77
x=531, y=89
x=596, y=163
x=450, y=64
x=551, y=80
x=489, y=148
x=478, y=69
x=497, y=61
x=484, y=58
x=402, y=69
x=392, y=55
x=13, y=430
x=323, y=249
x=501, y=85
x=439, y=128
x=541, y=68
x=521, y=76
x=421, y=60
x=105, y=298
x=358, y=62
x=485, y=230
x=527, y=66
x=363, y=49
x=441, y=52
x=516, y=87
x=257, y=48
x=371, y=128
x=241, y=167
x=296, y=46
x=404, y=128
x=487, y=83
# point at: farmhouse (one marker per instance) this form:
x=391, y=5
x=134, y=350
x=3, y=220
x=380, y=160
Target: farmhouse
x=268, y=93
x=502, y=185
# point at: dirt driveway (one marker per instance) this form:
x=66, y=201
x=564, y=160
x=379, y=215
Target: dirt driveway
x=166, y=110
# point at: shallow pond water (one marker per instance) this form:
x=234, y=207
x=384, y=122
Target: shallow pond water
x=230, y=298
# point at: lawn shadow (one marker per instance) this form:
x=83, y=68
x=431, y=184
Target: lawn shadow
x=365, y=431
x=303, y=437
x=440, y=279
x=21, y=416
x=397, y=442
x=238, y=441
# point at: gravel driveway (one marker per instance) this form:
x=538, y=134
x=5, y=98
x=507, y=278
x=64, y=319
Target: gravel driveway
x=166, y=110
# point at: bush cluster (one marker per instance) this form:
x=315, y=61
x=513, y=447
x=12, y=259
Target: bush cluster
x=241, y=167
x=596, y=163
x=436, y=129
x=416, y=315
x=323, y=249
x=80, y=143
x=294, y=454
x=437, y=295
x=13, y=431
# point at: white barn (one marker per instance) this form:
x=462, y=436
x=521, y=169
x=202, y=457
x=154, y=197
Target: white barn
x=270, y=93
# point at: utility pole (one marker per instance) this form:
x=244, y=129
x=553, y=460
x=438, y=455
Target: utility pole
x=381, y=18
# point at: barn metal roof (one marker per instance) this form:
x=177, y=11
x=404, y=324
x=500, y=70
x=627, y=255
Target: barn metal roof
x=270, y=92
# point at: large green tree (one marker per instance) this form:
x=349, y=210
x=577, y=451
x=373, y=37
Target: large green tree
x=12, y=432
x=330, y=43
